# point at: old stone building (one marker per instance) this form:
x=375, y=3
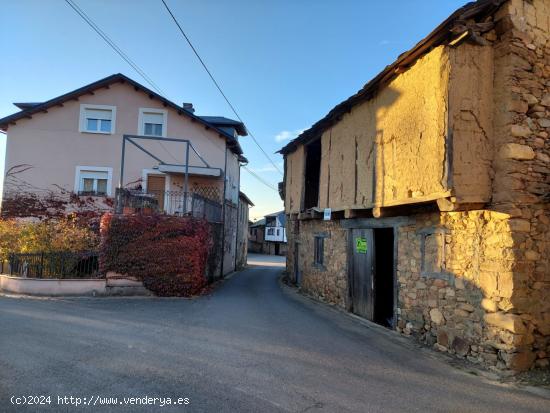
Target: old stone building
x=434, y=180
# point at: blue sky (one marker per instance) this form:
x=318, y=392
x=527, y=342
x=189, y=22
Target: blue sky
x=283, y=64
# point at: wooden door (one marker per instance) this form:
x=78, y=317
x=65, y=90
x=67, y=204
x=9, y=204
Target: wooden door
x=362, y=272
x=155, y=186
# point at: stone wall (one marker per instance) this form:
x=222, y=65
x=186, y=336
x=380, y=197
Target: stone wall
x=521, y=185
x=474, y=283
x=459, y=289
x=330, y=281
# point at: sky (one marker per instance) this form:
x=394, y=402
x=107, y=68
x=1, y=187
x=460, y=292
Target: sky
x=283, y=64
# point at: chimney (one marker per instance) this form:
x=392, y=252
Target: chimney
x=188, y=107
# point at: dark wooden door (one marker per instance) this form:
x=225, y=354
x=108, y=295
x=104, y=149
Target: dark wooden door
x=362, y=272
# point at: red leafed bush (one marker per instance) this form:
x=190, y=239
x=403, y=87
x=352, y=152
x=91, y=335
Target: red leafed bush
x=167, y=253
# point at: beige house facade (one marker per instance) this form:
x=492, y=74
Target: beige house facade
x=65, y=155
x=422, y=202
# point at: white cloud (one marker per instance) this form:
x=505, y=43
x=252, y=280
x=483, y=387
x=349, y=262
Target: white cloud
x=287, y=135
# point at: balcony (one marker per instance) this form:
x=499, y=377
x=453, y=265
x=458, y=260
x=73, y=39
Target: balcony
x=169, y=202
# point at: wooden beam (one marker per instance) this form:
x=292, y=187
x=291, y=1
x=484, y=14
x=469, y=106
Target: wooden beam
x=349, y=213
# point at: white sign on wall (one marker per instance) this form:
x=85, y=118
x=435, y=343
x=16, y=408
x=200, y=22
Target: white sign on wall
x=327, y=213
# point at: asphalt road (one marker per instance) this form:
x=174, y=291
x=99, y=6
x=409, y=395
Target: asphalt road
x=250, y=346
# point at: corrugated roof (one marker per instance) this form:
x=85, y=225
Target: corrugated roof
x=442, y=34
x=258, y=223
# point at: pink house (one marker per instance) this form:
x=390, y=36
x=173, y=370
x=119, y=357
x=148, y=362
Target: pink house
x=65, y=155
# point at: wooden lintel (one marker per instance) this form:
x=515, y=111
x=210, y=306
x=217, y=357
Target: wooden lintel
x=452, y=204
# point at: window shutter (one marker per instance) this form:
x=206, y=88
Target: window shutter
x=99, y=114
x=153, y=118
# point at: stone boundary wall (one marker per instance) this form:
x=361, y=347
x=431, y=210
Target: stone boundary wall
x=71, y=287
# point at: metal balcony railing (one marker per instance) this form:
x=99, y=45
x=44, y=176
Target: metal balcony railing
x=168, y=202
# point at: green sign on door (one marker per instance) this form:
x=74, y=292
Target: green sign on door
x=361, y=245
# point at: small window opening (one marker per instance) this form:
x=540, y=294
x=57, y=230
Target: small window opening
x=312, y=175
x=319, y=251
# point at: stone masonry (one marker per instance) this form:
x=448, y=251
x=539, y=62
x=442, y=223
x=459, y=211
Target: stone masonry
x=474, y=281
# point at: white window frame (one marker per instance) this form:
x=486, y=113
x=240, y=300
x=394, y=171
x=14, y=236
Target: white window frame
x=82, y=119
x=141, y=125
x=81, y=168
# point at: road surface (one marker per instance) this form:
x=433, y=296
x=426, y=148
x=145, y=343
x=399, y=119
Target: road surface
x=250, y=346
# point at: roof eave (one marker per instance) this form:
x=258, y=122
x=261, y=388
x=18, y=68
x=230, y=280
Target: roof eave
x=438, y=36
x=118, y=77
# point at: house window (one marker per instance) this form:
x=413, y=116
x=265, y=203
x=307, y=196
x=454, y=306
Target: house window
x=97, y=119
x=319, y=251
x=93, y=181
x=152, y=122
x=278, y=232
x=270, y=231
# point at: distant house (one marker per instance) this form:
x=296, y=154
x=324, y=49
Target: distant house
x=64, y=155
x=268, y=235
x=256, y=236
x=275, y=233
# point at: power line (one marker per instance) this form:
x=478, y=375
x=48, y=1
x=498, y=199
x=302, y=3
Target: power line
x=259, y=178
x=121, y=53
x=140, y=71
x=218, y=86
x=113, y=45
